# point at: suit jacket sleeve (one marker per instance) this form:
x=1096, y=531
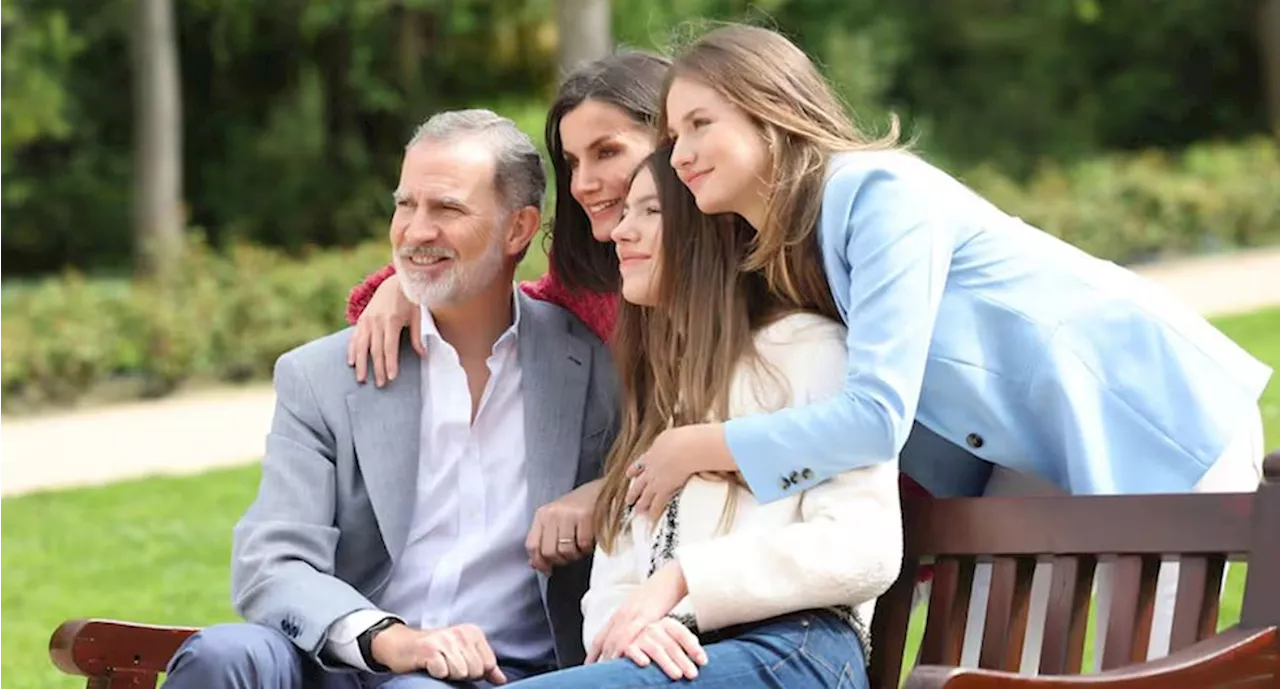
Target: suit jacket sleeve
x=282, y=571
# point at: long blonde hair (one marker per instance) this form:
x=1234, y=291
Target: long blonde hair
x=676, y=360
x=802, y=122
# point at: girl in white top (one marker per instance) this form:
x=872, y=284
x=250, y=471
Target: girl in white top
x=723, y=591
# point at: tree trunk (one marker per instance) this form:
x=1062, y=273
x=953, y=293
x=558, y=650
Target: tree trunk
x=1269, y=49
x=584, y=31
x=157, y=183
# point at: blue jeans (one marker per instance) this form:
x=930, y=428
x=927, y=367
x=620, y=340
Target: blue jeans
x=805, y=649
x=250, y=656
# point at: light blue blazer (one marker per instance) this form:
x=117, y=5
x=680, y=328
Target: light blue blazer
x=999, y=342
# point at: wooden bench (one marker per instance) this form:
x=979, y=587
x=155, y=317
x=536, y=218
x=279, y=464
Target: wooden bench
x=1204, y=531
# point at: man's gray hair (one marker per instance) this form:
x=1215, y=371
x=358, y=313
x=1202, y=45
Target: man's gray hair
x=519, y=177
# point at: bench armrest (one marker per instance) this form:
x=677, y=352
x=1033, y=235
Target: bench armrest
x=98, y=648
x=1239, y=658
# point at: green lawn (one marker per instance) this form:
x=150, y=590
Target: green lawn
x=156, y=550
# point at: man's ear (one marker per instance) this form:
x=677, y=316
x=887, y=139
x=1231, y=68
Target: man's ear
x=521, y=229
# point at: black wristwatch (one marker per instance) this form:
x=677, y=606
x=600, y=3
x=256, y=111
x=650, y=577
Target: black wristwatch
x=365, y=642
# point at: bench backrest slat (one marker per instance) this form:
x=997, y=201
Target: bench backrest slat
x=1067, y=615
x=1130, y=535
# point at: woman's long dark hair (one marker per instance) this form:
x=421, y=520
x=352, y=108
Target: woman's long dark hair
x=632, y=82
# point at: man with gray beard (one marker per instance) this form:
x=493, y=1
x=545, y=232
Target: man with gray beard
x=386, y=546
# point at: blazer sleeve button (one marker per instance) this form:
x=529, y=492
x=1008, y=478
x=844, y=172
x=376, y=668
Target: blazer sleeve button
x=974, y=440
x=806, y=474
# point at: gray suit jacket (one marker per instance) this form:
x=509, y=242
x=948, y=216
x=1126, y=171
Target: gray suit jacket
x=340, y=472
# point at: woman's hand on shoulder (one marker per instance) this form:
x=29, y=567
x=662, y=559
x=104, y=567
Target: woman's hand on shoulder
x=377, y=333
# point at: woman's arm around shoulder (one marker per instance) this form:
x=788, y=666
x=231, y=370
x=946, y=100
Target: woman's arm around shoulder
x=360, y=295
x=893, y=247
x=847, y=546
x=596, y=310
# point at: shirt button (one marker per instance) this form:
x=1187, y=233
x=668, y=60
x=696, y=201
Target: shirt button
x=974, y=440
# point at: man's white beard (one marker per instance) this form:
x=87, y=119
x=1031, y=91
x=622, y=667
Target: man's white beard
x=459, y=283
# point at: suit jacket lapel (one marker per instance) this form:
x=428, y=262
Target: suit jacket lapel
x=386, y=424
x=555, y=370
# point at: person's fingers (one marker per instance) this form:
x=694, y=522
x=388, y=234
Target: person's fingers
x=473, y=666
x=653, y=646
x=644, y=501
x=602, y=636
x=488, y=660
x=360, y=346
x=636, y=489
x=415, y=334
x=623, y=635
x=453, y=653
x=376, y=353
x=433, y=660
x=567, y=542
x=585, y=535
x=390, y=353
x=637, y=656
x=658, y=499
x=550, y=543
x=495, y=676
x=687, y=640
x=533, y=542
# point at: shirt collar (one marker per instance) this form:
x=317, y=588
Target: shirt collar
x=429, y=329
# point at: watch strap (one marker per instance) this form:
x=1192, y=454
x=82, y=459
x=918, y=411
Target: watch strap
x=365, y=643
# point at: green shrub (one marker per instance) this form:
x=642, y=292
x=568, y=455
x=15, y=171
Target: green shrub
x=1139, y=207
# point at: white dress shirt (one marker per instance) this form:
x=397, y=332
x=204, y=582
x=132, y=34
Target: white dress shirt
x=465, y=561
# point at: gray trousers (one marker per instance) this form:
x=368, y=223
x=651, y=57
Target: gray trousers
x=250, y=656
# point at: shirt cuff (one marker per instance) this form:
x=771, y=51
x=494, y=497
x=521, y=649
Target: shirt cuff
x=342, y=643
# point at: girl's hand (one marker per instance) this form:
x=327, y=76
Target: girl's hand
x=672, y=646
x=646, y=605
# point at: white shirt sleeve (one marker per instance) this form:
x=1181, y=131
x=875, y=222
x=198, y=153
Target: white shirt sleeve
x=342, y=643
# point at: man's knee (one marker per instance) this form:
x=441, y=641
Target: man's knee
x=235, y=655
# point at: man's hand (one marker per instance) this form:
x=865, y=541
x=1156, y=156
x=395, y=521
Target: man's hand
x=458, y=653
x=562, y=530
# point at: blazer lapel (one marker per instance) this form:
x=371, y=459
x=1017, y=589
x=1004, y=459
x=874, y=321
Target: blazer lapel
x=555, y=370
x=386, y=424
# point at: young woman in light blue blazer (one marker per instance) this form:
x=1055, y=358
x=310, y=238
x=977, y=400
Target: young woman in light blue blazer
x=985, y=340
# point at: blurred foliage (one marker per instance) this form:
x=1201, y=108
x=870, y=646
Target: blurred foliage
x=238, y=309
x=295, y=112
x=230, y=316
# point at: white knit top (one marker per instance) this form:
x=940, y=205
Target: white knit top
x=836, y=544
